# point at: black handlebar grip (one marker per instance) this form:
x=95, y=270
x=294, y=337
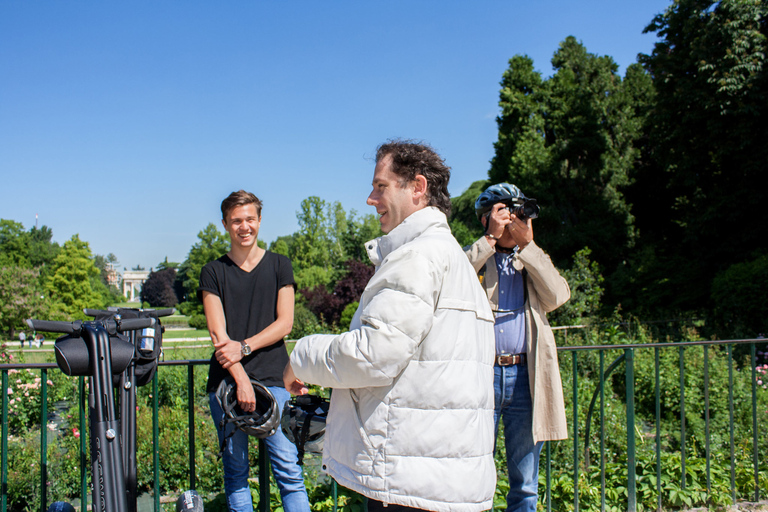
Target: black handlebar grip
x=132, y=324
x=53, y=326
x=164, y=312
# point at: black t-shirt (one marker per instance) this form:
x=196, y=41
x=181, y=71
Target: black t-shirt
x=250, y=305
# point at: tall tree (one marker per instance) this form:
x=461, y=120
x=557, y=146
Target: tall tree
x=570, y=142
x=14, y=244
x=20, y=297
x=70, y=287
x=709, y=140
x=211, y=245
x=158, y=289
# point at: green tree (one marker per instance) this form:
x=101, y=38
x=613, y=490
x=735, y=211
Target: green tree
x=709, y=143
x=211, y=244
x=14, y=244
x=571, y=141
x=70, y=287
x=42, y=250
x=20, y=297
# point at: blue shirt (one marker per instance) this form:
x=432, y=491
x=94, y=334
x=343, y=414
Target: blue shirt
x=510, y=316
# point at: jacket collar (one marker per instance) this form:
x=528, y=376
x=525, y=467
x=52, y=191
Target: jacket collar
x=412, y=227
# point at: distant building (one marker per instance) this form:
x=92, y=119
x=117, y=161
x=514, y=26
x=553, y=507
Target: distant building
x=113, y=278
x=132, y=281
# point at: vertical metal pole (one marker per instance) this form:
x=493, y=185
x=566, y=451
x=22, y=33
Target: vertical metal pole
x=335, y=493
x=631, y=464
x=191, y=416
x=730, y=422
x=83, y=459
x=4, y=477
x=44, y=440
x=575, y=434
x=602, y=431
x=156, y=442
x=658, y=429
x=706, y=422
x=263, y=477
x=682, y=416
x=753, y=359
x=549, y=476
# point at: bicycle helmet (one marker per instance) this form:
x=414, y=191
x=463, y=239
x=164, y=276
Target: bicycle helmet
x=261, y=423
x=499, y=193
x=303, y=423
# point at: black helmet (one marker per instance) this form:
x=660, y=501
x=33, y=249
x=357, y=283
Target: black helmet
x=499, y=193
x=189, y=501
x=303, y=423
x=261, y=423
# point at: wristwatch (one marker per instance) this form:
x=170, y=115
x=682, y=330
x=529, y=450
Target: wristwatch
x=245, y=349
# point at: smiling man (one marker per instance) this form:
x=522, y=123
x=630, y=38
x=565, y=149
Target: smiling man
x=248, y=299
x=410, y=424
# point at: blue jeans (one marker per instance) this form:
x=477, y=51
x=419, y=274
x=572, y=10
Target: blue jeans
x=513, y=405
x=282, y=454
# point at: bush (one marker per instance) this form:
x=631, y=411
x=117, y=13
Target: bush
x=738, y=310
x=198, y=321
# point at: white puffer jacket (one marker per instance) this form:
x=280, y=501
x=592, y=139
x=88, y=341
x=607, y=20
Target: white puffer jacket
x=411, y=416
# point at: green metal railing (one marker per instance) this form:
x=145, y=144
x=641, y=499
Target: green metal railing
x=580, y=463
x=628, y=359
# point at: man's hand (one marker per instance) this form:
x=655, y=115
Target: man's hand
x=292, y=384
x=246, y=397
x=496, y=221
x=520, y=231
x=227, y=352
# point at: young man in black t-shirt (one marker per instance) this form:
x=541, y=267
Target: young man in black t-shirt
x=248, y=298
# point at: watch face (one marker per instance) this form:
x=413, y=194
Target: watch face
x=246, y=349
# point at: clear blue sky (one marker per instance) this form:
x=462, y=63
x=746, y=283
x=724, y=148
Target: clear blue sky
x=129, y=122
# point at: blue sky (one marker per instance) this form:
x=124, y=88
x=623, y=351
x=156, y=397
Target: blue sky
x=129, y=122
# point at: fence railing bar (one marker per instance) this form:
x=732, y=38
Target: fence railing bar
x=83, y=435
x=682, y=417
x=191, y=419
x=575, y=433
x=602, y=432
x=753, y=360
x=730, y=422
x=44, y=441
x=156, y=441
x=549, y=476
x=4, y=471
x=657, y=372
x=631, y=456
x=707, y=452
x=660, y=345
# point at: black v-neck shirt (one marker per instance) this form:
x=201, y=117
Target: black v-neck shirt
x=250, y=305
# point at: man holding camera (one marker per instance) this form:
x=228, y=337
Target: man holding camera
x=522, y=286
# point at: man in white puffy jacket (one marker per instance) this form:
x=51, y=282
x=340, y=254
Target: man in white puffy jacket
x=411, y=419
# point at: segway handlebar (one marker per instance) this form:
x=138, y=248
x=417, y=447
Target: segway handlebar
x=76, y=327
x=111, y=311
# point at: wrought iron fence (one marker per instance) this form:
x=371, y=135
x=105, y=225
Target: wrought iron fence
x=580, y=463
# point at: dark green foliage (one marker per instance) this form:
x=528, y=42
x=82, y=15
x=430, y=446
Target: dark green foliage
x=738, y=295
x=158, y=289
x=708, y=141
x=568, y=141
x=585, y=281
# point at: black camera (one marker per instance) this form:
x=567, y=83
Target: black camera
x=528, y=210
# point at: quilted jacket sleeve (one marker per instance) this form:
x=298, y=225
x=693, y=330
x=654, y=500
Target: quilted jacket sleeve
x=395, y=315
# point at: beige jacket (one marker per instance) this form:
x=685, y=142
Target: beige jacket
x=547, y=290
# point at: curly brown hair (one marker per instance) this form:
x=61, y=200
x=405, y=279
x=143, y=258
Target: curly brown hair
x=410, y=159
x=239, y=198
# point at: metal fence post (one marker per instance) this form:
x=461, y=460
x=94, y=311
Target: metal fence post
x=631, y=465
x=44, y=440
